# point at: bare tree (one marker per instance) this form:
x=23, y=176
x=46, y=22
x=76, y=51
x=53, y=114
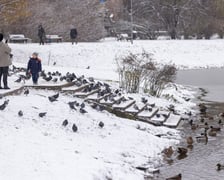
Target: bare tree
x=58, y=17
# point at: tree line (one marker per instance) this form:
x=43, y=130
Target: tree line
x=95, y=20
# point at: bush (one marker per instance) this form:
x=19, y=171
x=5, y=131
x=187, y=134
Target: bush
x=140, y=69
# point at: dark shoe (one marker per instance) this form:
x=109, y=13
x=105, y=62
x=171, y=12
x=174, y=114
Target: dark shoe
x=1, y=87
x=6, y=87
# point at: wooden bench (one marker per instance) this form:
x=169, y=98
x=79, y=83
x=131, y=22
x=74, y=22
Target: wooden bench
x=18, y=38
x=121, y=37
x=53, y=38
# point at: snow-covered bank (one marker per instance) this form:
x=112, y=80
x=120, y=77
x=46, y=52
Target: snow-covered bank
x=41, y=148
x=100, y=57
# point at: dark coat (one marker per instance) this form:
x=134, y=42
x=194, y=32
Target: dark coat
x=34, y=65
x=41, y=31
x=73, y=33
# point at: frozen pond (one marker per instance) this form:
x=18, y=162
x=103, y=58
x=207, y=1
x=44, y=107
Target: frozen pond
x=210, y=79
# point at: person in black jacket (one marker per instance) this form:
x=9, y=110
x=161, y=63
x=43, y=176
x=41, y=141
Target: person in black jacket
x=41, y=34
x=34, y=67
x=73, y=35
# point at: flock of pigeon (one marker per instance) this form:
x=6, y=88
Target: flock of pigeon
x=103, y=88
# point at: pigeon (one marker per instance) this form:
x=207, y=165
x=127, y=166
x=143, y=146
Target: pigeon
x=18, y=80
x=101, y=124
x=82, y=105
x=94, y=105
x=72, y=105
x=65, y=122
x=26, y=92
x=83, y=111
x=116, y=91
x=47, y=78
x=84, y=81
x=136, y=107
x=42, y=114
x=56, y=96
x=20, y=113
x=153, y=105
x=144, y=100
x=74, y=128
x=91, y=79
x=62, y=78
x=78, y=83
x=53, y=98
x=54, y=63
x=55, y=80
x=3, y=106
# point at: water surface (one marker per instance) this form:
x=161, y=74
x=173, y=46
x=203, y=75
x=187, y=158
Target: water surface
x=210, y=79
x=201, y=160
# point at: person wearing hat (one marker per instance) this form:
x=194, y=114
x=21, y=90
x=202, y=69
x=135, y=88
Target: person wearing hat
x=5, y=62
x=34, y=67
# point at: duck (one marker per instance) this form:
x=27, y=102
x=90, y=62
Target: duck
x=177, y=177
x=181, y=150
x=215, y=128
x=194, y=127
x=190, y=140
x=219, y=166
x=212, y=133
x=202, y=138
x=205, y=125
x=168, y=151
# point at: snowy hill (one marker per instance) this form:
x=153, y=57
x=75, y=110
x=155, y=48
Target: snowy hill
x=42, y=148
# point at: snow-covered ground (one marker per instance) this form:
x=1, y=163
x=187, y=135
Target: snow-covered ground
x=41, y=148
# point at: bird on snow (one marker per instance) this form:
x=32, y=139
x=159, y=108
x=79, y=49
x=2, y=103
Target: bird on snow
x=65, y=122
x=91, y=79
x=144, y=100
x=3, y=106
x=20, y=113
x=83, y=111
x=101, y=124
x=116, y=91
x=74, y=128
x=42, y=114
x=72, y=105
x=82, y=105
x=53, y=98
x=18, y=80
x=56, y=95
x=47, y=78
x=55, y=80
x=26, y=92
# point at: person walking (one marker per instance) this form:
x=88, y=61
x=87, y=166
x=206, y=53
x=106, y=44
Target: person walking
x=5, y=62
x=41, y=34
x=73, y=35
x=34, y=67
